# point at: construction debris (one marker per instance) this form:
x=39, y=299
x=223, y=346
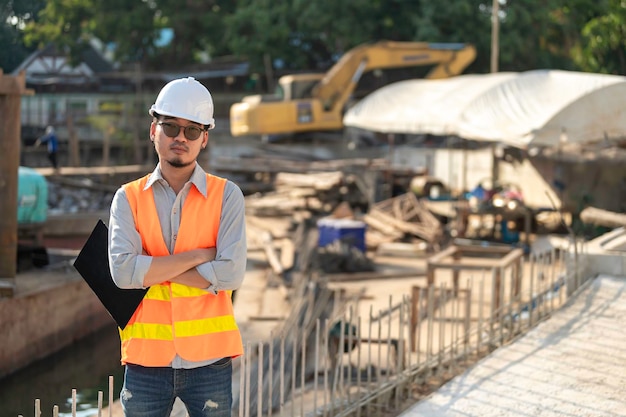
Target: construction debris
x=282, y=223
x=404, y=215
x=318, y=193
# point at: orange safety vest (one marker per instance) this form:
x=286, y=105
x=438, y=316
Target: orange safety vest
x=175, y=318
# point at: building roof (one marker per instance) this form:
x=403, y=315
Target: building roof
x=49, y=69
x=49, y=66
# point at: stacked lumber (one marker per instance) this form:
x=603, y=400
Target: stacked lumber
x=315, y=192
x=397, y=217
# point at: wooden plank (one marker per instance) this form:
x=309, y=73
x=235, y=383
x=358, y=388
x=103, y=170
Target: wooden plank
x=382, y=226
x=315, y=181
x=270, y=253
x=287, y=253
x=363, y=276
x=459, y=266
x=101, y=170
x=397, y=208
x=596, y=216
x=511, y=257
x=425, y=233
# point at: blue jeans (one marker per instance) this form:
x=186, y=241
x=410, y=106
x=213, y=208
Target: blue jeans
x=205, y=391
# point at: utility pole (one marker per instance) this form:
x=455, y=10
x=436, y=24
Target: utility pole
x=11, y=91
x=137, y=116
x=495, y=30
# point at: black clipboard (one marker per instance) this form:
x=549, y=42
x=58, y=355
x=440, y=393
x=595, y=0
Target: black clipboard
x=93, y=265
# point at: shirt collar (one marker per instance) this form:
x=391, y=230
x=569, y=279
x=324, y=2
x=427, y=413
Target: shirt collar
x=198, y=178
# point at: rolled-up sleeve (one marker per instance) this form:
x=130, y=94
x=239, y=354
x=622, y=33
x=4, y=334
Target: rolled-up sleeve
x=127, y=263
x=228, y=269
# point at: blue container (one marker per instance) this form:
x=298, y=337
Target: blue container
x=346, y=230
x=326, y=232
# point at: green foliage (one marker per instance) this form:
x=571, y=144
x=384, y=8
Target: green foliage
x=603, y=46
x=198, y=30
x=260, y=27
x=132, y=25
x=543, y=34
x=15, y=14
x=312, y=34
x=466, y=21
x=66, y=23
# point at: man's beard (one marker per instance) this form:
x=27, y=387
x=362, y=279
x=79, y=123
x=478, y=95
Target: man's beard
x=177, y=163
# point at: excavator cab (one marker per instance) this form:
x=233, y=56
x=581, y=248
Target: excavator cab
x=297, y=86
x=289, y=87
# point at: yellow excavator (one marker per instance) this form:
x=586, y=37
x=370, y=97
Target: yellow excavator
x=317, y=102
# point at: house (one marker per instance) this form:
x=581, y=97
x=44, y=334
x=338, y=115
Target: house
x=97, y=99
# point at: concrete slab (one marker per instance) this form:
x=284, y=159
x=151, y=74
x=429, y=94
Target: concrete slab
x=606, y=254
x=573, y=364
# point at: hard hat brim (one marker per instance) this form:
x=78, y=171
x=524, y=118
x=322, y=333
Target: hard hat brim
x=210, y=122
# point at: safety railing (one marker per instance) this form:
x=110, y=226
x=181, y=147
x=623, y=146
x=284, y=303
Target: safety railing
x=331, y=358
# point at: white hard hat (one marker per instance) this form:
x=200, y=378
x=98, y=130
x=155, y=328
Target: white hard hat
x=185, y=98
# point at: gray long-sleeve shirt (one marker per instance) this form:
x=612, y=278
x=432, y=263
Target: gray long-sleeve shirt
x=128, y=264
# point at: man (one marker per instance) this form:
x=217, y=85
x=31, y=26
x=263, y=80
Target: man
x=181, y=233
x=50, y=138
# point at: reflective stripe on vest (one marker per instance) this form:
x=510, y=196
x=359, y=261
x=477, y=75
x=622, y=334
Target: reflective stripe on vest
x=174, y=318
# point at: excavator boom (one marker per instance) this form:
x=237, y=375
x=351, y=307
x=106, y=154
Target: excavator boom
x=324, y=109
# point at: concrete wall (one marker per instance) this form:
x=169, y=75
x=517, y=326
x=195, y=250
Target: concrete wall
x=599, y=183
x=534, y=186
x=459, y=169
x=36, y=324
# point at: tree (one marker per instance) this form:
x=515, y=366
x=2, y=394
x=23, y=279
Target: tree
x=133, y=28
x=263, y=27
x=311, y=35
x=603, y=44
x=71, y=24
x=544, y=34
x=198, y=28
x=465, y=21
x=15, y=15
x=334, y=27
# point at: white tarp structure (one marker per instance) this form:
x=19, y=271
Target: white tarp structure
x=538, y=108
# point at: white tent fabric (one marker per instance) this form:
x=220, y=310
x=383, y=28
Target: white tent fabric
x=540, y=107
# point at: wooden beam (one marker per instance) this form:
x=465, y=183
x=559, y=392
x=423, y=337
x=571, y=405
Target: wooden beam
x=11, y=90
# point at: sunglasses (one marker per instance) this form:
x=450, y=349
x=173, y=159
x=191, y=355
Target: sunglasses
x=172, y=130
